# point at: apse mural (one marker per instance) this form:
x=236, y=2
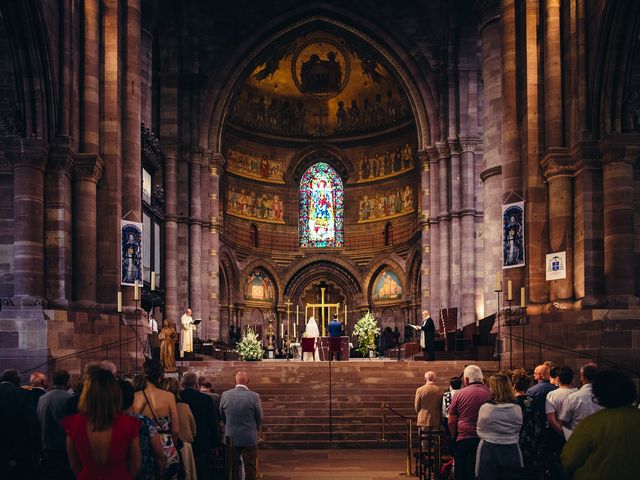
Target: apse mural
x=387, y=287
x=258, y=287
x=246, y=163
x=385, y=205
x=387, y=164
x=321, y=207
x=255, y=206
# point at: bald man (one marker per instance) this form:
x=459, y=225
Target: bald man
x=428, y=402
x=241, y=412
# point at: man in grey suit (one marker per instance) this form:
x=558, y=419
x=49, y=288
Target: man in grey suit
x=241, y=412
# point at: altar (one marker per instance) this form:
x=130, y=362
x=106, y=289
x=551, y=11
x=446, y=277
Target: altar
x=342, y=354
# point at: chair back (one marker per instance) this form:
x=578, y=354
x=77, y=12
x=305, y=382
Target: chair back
x=308, y=344
x=335, y=344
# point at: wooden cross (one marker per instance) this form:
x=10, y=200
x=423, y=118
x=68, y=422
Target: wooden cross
x=322, y=306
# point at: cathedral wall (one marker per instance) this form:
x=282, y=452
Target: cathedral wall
x=6, y=235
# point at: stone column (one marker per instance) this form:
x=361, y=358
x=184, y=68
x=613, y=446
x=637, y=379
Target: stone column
x=195, y=241
x=58, y=243
x=467, y=237
x=205, y=240
x=444, y=218
x=617, y=178
x=215, y=168
x=434, y=246
x=425, y=266
x=90, y=105
x=88, y=170
x=455, y=290
x=131, y=139
x=511, y=164
x=110, y=192
x=170, y=233
x=491, y=64
x=28, y=158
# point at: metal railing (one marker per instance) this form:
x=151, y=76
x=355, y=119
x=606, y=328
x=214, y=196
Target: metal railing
x=408, y=435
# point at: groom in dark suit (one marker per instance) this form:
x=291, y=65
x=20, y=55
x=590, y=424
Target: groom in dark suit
x=241, y=412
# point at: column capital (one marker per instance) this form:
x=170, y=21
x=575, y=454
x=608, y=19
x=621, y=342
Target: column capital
x=454, y=146
x=557, y=162
x=469, y=144
x=197, y=155
x=490, y=172
x=443, y=150
x=216, y=163
x=169, y=150
x=620, y=148
x=89, y=167
x=26, y=152
x=587, y=155
x=61, y=159
x=423, y=157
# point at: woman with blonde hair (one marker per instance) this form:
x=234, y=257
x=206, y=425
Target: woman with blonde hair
x=499, y=424
x=101, y=442
x=187, y=429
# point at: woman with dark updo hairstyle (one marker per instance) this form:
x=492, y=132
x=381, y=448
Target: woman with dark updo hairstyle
x=101, y=442
x=160, y=405
x=605, y=444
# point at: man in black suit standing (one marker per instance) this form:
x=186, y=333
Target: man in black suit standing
x=428, y=336
x=20, y=439
x=207, y=431
x=241, y=412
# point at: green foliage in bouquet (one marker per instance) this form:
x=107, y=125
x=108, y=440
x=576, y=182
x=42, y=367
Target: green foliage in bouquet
x=250, y=347
x=366, y=330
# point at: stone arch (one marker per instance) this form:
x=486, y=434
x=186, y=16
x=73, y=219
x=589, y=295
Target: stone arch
x=270, y=268
x=228, y=268
x=414, y=263
x=316, y=153
x=420, y=93
x=377, y=267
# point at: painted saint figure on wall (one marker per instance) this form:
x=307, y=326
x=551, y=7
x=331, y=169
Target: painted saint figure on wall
x=259, y=287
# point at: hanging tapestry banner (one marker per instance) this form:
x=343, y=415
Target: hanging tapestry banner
x=513, y=235
x=131, y=253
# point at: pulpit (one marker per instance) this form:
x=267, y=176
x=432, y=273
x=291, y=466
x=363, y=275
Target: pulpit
x=338, y=345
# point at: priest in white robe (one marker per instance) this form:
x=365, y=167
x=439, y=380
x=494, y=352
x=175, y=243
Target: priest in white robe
x=312, y=331
x=186, y=332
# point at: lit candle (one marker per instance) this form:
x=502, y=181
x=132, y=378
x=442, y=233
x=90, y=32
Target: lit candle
x=282, y=330
x=509, y=290
x=522, y=303
x=295, y=331
x=345, y=314
x=136, y=292
x=498, y=285
x=153, y=281
x=119, y=302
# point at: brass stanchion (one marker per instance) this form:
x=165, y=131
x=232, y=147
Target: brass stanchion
x=383, y=421
x=409, y=446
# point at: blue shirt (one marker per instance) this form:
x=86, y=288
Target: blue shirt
x=335, y=328
x=541, y=389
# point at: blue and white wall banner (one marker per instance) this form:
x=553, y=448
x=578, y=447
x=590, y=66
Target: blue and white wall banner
x=556, y=266
x=513, y=235
x=131, y=253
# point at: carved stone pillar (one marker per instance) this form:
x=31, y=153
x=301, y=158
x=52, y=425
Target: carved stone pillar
x=455, y=253
x=88, y=170
x=434, y=244
x=425, y=266
x=195, y=240
x=215, y=168
x=205, y=240
x=618, y=220
x=444, y=222
x=170, y=233
x=90, y=105
x=559, y=170
x=467, y=215
x=58, y=243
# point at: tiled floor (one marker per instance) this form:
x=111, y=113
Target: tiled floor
x=353, y=464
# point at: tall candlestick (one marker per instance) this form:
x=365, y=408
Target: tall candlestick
x=282, y=330
x=153, y=281
x=522, y=302
x=295, y=330
x=136, y=293
x=498, y=284
x=345, y=314
x=509, y=290
x=119, y=302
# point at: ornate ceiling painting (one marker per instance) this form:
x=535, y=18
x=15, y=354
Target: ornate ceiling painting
x=320, y=84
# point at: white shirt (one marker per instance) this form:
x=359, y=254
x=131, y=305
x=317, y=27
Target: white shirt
x=153, y=325
x=578, y=405
x=555, y=399
x=500, y=423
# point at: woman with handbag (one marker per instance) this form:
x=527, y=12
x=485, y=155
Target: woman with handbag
x=187, y=430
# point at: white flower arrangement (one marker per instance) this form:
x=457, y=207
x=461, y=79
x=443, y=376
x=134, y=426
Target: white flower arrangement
x=366, y=329
x=250, y=347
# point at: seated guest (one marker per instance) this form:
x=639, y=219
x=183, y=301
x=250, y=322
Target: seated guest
x=463, y=418
x=52, y=408
x=499, y=424
x=20, y=439
x=101, y=442
x=605, y=444
x=39, y=385
x=151, y=453
x=580, y=404
x=187, y=429
x=428, y=403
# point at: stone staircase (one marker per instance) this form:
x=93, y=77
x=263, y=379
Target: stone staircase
x=297, y=409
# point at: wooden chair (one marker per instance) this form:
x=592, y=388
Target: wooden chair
x=308, y=346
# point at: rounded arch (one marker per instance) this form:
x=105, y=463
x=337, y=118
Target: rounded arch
x=330, y=154
x=270, y=269
x=228, y=268
x=420, y=93
x=309, y=270
x=414, y=264
x=374, y=271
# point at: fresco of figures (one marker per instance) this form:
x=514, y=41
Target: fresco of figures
x=263, y=207
x=254, y=165
x=385, y=205
x=296, y=118
x=258, y=287
x=387, y=287
x=385, y=164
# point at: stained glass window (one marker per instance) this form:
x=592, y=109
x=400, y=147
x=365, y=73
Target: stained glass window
x=321, y=207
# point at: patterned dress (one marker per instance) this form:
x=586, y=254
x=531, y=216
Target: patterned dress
x=530, y=435
x=170, y=453
x=148, y=430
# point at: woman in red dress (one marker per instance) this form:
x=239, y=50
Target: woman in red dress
x=102, y=443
